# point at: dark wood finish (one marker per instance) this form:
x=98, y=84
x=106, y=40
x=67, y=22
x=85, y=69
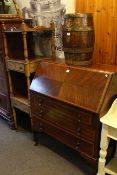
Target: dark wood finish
x=67, y=102
x=78, y=38
x=5, y=109
x=5, y=106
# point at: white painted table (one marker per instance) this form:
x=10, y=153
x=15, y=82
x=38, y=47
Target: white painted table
x=109, y=130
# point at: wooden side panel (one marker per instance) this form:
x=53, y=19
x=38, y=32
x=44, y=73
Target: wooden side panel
x=105, y=22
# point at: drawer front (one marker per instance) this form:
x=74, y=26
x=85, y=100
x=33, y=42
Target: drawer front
x=64, y=122
x=84, y=147
x=33, y=66
x=40, y=102
x=87, y=133
x=3, y=101
x=19, y=105
x=12, y=27
x=15, y=66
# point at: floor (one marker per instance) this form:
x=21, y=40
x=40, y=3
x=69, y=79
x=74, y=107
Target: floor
x=19, y=156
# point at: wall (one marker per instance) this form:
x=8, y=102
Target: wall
x=70, y=4
x=105, y=21
x=23, y=3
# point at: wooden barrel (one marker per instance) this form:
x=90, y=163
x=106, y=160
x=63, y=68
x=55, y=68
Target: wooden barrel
x=78, y=38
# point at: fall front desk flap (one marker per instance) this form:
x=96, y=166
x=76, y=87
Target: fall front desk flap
x=87, y=87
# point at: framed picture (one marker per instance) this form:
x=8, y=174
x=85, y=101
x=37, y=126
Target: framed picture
x=9, y=9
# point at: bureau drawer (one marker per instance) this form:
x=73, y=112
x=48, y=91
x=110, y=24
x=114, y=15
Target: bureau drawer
x=3, y=101
x=84, y=147
x=41, y=103
x=62, y=121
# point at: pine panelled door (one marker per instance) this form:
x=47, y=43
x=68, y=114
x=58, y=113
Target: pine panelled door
x=105, y=21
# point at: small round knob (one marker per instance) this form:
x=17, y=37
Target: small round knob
x=78, y=143
x=40, y=128
x=41, y=111
x=79, y=120
x=78, y=129
x=76, y=147
x=39, y=104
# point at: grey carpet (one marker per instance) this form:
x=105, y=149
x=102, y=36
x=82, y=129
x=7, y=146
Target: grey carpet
x=19, y=156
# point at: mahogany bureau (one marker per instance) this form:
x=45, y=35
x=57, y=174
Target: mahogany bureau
x=67, y=103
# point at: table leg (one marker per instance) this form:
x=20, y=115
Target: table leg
x=103, y=152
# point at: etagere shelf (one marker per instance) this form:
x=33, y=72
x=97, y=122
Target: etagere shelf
x=5, y=105
x=21, y=61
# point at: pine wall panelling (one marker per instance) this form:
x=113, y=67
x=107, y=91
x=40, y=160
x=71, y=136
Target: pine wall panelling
x=105, y=23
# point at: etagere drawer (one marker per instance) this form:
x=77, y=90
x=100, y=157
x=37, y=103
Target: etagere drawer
x=15, y=66
x=21, y=103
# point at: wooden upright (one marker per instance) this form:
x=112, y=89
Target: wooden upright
x=21, y=61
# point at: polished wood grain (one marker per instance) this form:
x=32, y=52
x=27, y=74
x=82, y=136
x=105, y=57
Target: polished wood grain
x=75, y=85
x=67, y=102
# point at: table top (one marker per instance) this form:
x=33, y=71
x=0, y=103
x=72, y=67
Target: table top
x=110, y=118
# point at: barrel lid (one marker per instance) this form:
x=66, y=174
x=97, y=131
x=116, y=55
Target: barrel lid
x=75, y=15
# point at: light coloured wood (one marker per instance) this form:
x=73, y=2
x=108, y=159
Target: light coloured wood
x=109, y=130
x=21, y=103
x=111, y=168
x=20, y=65
x=105, y=24
x=25, y=65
